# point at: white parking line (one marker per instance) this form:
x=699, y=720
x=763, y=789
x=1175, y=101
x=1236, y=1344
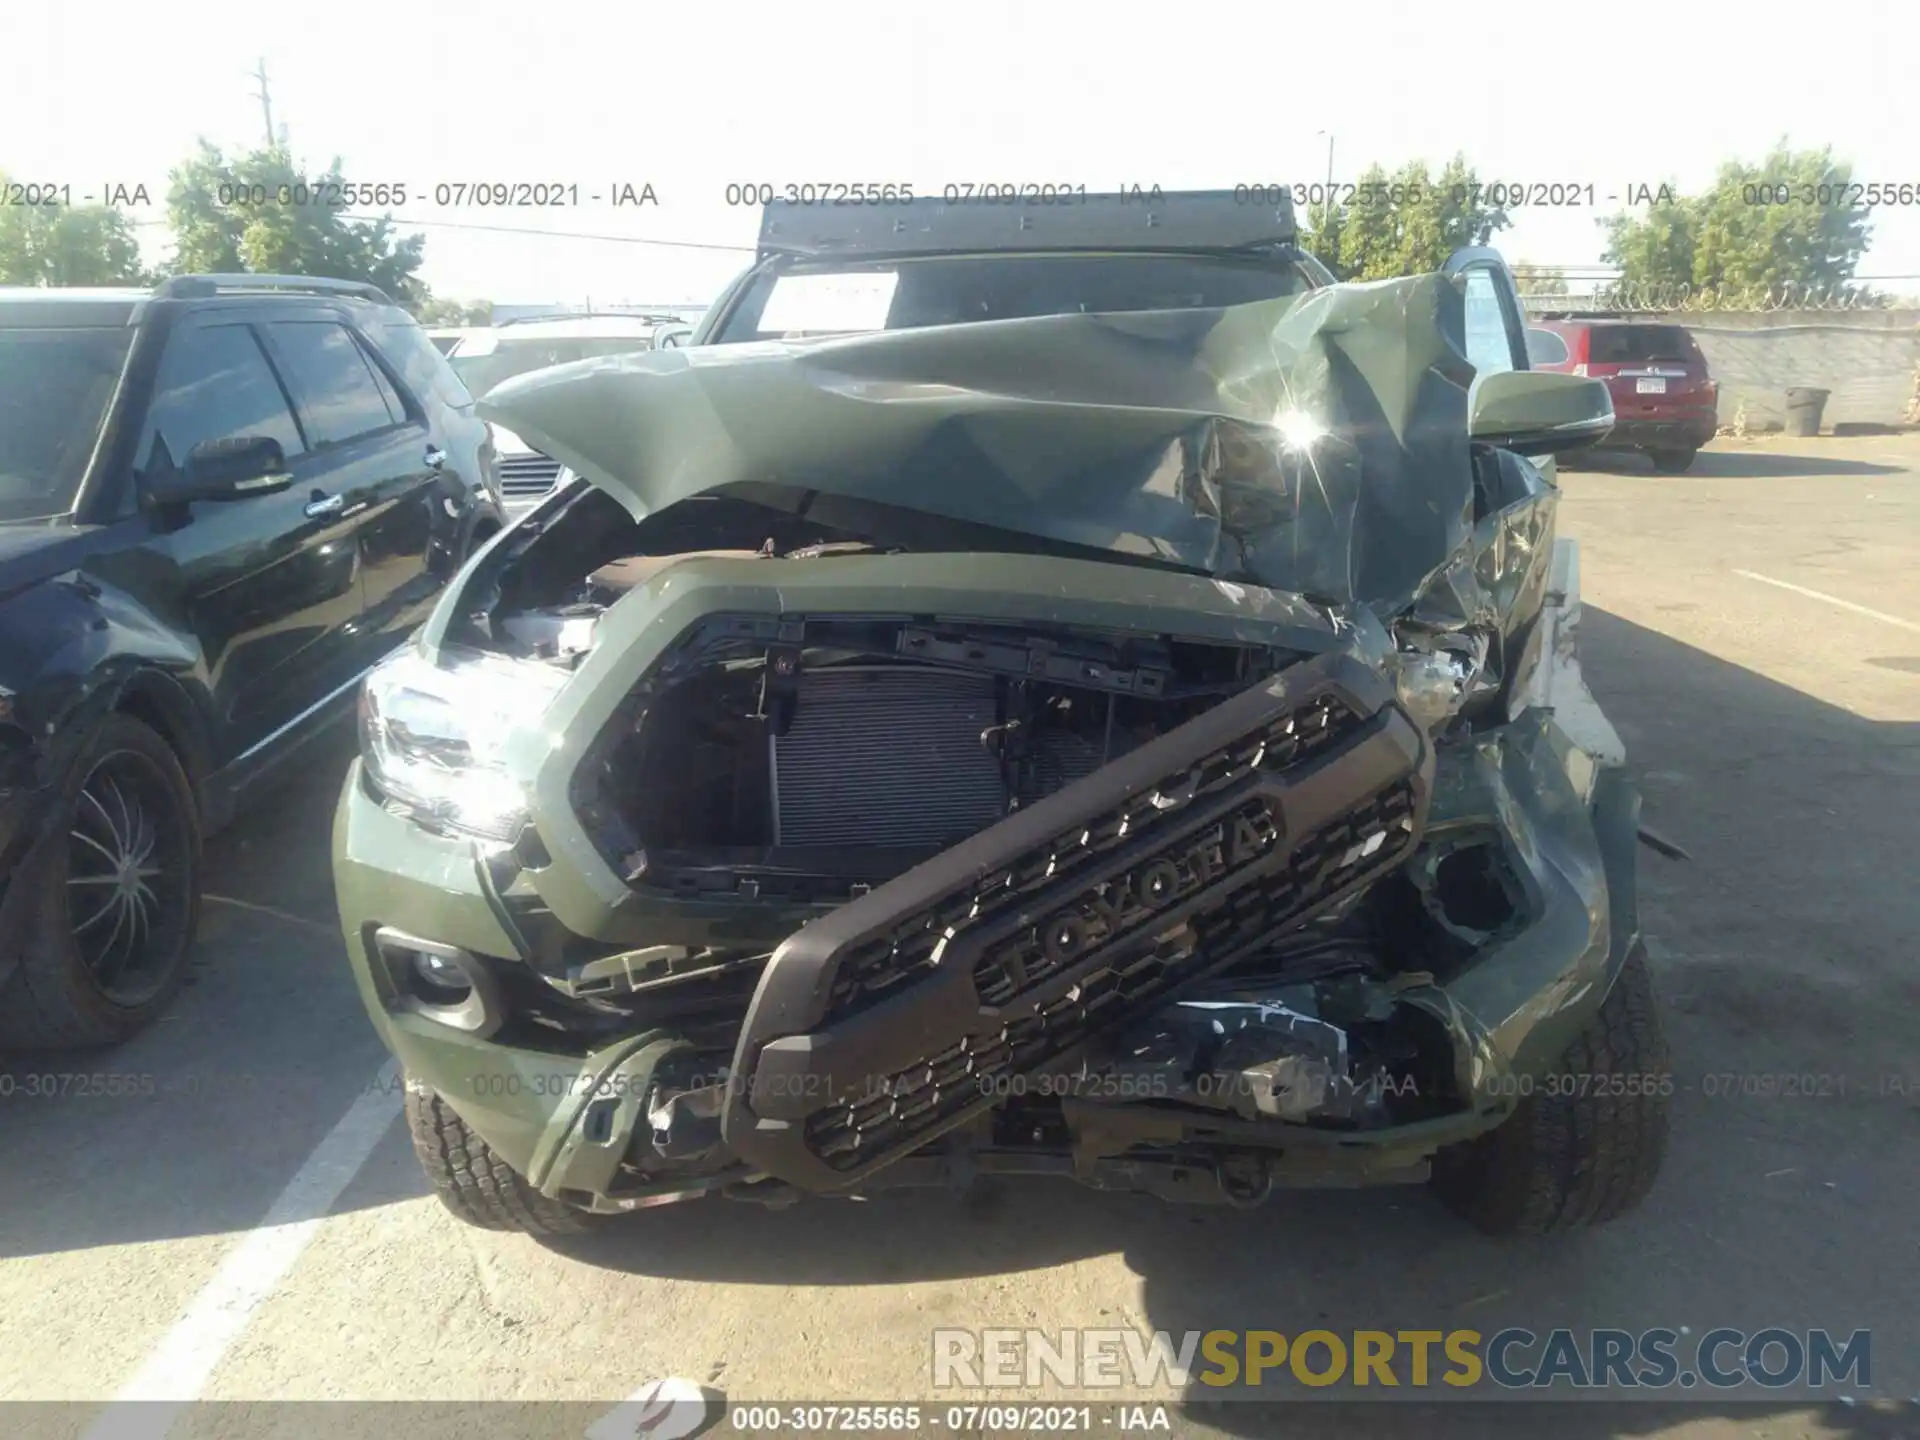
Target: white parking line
x=177, y=1370
x=331, y=931
x=1831, y=600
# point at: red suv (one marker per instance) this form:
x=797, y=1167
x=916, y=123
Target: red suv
x=1664, y=403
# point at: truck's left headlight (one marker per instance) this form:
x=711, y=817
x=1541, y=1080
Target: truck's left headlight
x=433, y=735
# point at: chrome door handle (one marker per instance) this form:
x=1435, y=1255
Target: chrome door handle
x=326, y=505
x=436, y=457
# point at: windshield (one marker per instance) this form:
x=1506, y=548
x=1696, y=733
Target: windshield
x=796, y=301
x=55, y=386
x=483, y=362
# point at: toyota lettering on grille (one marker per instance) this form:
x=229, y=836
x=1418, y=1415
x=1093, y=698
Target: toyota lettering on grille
x=1112, y=908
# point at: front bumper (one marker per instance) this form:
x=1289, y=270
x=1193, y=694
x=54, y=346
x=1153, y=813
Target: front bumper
x=566, y=1119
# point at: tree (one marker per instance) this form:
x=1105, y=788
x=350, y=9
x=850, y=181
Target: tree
x=264, y=214
x=1537, y=280
x=1788, y=222
x=439, y=310
x=1654, y=251
x=68, y=245
x=1406, y=223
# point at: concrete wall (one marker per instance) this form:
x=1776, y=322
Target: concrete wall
x=1869, y=359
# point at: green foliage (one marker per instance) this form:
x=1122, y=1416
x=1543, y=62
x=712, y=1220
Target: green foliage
x=1406, y=223
x=68, y=245
x=1655, y=249
x=1534, y=280
x=1759, y=229
x=246, y=214
x=436, y=310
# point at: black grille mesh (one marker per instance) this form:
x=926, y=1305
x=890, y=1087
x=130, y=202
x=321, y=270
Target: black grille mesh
x=892, y=1111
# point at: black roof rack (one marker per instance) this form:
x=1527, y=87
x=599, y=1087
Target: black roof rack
x=1253, y=218
x=187, y=287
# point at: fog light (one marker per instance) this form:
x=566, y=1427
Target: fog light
x=441, y=983
x=443, y=975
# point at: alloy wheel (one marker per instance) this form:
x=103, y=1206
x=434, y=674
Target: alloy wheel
x=128, y=878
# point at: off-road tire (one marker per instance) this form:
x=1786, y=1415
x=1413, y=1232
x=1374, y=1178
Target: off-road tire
x=50, y=1001
x=1672, y=462
x=1564, y=1161
x=472, y=1181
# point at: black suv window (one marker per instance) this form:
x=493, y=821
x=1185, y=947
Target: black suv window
x=422, y=368
x=215, y=384
x=55, y=386
x=332, y=383
x=395, y=405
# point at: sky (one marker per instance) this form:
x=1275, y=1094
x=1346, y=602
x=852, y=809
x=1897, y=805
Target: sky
x=689, y=98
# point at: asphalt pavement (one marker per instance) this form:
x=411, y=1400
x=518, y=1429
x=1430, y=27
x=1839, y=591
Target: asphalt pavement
x=249, y=1220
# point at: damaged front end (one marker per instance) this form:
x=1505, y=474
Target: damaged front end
x=1145, y=749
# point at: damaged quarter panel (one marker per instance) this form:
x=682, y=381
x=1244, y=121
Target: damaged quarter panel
x=74, y=645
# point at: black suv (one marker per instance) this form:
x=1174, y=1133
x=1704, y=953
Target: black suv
x=221, y=503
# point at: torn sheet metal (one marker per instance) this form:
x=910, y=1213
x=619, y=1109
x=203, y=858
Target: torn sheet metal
x=1315, y=444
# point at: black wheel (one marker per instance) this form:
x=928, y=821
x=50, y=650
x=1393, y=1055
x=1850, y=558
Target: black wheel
x=113, y=901
x=1562, y=1161
x=473, y=1182
x=1672, y=462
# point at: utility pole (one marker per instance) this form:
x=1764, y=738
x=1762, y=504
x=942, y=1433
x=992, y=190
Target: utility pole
x=1332, y=238
x=266, y=101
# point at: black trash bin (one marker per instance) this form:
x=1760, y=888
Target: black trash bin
x=1804, y=405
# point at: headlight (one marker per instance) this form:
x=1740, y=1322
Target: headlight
x=1436, y=674
x=433, y=737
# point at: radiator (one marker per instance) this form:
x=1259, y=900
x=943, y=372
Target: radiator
x=881, y=757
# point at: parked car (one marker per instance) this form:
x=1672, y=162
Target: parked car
x=221, y=503
x=1665, y=402
x=1109, y=709
x=484, y=358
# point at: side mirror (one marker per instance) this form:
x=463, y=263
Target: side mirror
x=1533, y=412
x=235, y=469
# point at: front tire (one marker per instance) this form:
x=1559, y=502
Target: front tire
x=1672, y=462
x=111, y=903
x=475, y=1183
x=1564, y=1161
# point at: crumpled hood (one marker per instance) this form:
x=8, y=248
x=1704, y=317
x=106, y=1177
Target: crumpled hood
x=1315, y=444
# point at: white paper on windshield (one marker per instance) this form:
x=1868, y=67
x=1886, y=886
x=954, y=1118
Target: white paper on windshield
x=834, y=303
